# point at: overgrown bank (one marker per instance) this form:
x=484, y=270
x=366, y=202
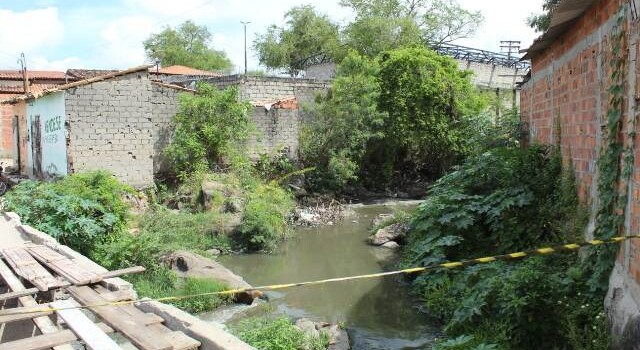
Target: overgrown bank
x=505, y=200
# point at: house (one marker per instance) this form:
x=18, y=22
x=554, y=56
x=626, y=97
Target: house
x=178, y=73
x=567, y=102
x=14, y=83
x=105, y=122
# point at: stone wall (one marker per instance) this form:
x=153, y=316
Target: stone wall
x=568, y=91
x=277, y=130
x=111, y=128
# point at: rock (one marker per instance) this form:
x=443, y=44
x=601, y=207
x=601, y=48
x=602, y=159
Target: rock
x=308, y=327
x=391, y=245
x=229, y=225
x=211, y=192
x=306, y=217
x=392, y=232
x=298, y=191
x=233, y=205
x=214, y=251
x=188, y=264
x=380, y=219
x=338, y=338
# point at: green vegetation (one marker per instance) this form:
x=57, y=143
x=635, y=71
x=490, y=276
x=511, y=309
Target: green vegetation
x=408, y=114
x=80, y=210
x=505, y=200
x=379, y=25
x=187, y=45
x=541, y=22
x=206, y=125
x=265, y=333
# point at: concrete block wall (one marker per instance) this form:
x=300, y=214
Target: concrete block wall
x=164, y=106
x=277, y=130
x=569, y=88
x=111, y=128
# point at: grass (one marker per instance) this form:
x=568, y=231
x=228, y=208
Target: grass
x=399, y=216
x=164, y=282
x=267, y=333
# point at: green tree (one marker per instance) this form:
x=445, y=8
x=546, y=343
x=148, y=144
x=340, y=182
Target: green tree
x=541, y=22
x=305, y=33
x=206, y=125
x=186, y=45
x=387, y=24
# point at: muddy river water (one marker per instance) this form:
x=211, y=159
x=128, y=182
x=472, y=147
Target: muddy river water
x=379, y=313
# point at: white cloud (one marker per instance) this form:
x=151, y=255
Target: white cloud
x=42, y=63
x=122, y=42
x=29, y=31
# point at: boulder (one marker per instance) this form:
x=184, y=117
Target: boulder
x=308, y=327
x=391, y=245
x=214, y=251
x=211, y=193
x=233, y=205
x=188, y=264
x=380, y=219
x=394, y=232
x=338, y=338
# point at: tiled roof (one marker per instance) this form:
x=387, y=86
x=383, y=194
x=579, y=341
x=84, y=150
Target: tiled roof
x=283, y=103
x=78, y=74
x=183, y=70
x=33, y=74
x=33, y=88
x=172, y=86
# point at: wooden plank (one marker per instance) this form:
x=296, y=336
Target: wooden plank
x=13, y=295
x=46, y=341
x=134, y=330
x=80, y=324
x=62, y=265
x=128, y=270
x=177, y=339
x=44, y=324
x=28, y=268
x=22, y=316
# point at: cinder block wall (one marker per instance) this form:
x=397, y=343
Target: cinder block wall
x=164, y=105
x=568, y=93
x=111, y=128
x=277, y=130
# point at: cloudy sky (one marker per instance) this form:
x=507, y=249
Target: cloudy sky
x=61, y=34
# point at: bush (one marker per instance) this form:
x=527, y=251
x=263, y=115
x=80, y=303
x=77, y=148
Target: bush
x=264, y=222
x=277, y=334
x=80, y=210
x=506, y=200
x=206, y=125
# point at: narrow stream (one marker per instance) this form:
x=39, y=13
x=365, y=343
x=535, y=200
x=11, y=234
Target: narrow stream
x=378, y=313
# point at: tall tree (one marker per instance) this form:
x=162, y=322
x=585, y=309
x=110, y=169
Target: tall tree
x=542, y=21
x=187, y=45
x=305, y=33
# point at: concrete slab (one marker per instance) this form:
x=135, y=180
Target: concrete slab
x=10, y=236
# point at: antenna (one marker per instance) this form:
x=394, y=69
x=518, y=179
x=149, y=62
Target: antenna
x=22, y=61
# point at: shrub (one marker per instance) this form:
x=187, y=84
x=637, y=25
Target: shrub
x=79, y=210
x=265, y=217
x=206, y=125
x=266, y=333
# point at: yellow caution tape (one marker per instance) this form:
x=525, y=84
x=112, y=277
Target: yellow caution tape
x=448, y=265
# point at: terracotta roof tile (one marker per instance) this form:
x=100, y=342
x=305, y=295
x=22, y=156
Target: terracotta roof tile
x=18, y=90
x=184, y=70
x=33, y=74
x=79, y=74
x=283, y=103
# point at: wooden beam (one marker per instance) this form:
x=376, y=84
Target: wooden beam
x=28, y=268
x=81, y=325
x=127, y=271
x=13, y=295
x=62, y=265
x=22, y=316
x=133, y=329
x=44, y=324
x=46, y=341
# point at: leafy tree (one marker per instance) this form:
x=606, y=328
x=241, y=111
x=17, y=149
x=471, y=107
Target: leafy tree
x=542, y=21
x=306, y=33
x=206, y=125
x=387, y=24
x=431, y=106
x=186, y=45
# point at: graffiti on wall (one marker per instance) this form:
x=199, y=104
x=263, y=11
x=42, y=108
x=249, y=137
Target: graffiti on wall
x=48, y=155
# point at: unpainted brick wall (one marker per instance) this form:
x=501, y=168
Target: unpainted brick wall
x=111, y=128
x=277, y=130
x=568, y=92
x=164, y=105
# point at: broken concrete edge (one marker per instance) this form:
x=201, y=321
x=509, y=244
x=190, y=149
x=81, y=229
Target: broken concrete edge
x=212, y=336
x=623, y=308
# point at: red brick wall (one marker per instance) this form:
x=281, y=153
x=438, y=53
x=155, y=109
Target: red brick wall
x=6, y=131
x=566, y=101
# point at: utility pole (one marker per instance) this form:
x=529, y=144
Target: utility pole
x=244, y=24
x=510, y=46
x=22, y=61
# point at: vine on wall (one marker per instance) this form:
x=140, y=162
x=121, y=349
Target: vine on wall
x=616, y=160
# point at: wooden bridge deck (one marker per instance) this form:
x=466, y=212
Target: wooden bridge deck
x=41, y=289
